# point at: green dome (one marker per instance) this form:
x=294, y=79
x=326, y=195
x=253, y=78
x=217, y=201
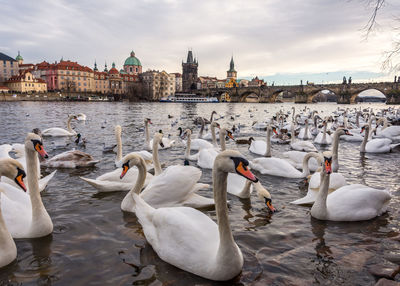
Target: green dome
x=132, y=60
x=19, y=58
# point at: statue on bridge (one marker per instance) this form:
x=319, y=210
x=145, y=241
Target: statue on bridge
x=344, y=80
x=349, y=80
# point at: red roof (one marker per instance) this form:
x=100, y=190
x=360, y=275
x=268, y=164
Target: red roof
x=63, y=65
x=113, y=71
x=3, y=87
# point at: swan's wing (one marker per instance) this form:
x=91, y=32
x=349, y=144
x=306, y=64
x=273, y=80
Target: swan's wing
x=236, y=184
x=378, y=145
x=108, y=186
x=309, y=199
x=275, y=167
x=172, y=186
x=55, y=131
x=206, y=158
x=4, y=150
x=197, y=144
x=258, y=147
x=181, y=236
x=16, y=194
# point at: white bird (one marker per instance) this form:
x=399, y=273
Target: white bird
x=189, y=239
x=354, y=202
x=378, y=145
x=81, y=117
x=70, y=160
x=59, y=132
x=262, y=147
x=26, y=217
x=323, y=138
x=305, y=146
x=166, y=142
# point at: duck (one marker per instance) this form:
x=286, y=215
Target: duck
x=59, y=132
x=189, y=239
x=244, y=141
x=175, y=186
x=26, y=216
x=14, y=171
x=353, y=202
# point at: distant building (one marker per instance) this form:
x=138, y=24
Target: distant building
x=189, y=73
x=8, y=67
x=158, y=84
x=231, y=76
x=255, y=82
x=132, y=65
x=243, y=83
x=207, y=82
x=178, y=82
x=26, y=82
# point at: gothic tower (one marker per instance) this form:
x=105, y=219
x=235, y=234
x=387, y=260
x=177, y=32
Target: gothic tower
x=231, y=73
x=189, y=73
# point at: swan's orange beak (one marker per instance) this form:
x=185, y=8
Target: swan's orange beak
x=347, y=132
x=39, y=148
x=19, y=179
x=243, y=170
x=230, y=135
x=362, y=130
x=328, y=166
x=125, y=168
x=274, y=129
x=269, y=205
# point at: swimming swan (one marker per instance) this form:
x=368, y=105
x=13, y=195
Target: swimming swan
x=58, y=132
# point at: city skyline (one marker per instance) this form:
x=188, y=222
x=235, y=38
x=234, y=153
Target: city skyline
x=281, y=42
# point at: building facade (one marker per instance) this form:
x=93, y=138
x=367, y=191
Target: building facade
x=132, y=65
x=189, y=73
x=8, y=67
x=158, y=84
x=25, y=82
x=255, y=82
x=231, y=73
x=178, y=82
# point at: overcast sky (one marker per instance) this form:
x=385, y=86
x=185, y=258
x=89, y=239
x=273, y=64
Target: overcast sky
x=281, y=40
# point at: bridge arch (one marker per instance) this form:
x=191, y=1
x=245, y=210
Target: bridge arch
x=250, y=96
x=370, y=94
x=283, y=95
x=323, y=95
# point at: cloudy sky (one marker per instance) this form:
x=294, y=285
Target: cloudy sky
x=283, y=41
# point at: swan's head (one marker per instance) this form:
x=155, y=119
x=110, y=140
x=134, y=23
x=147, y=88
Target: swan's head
x=227, y=133
x=251, y=139
x=147, y=120
x=187, y=133
x=265, y=196
x=72, y=117
x=231, y=161
x=131, y=160
x=343, y=131
x=157, y=139
x=13, y=169
x=37, y=131
x=34, y=143
x=366, y=128
x=274, y=130
x=180, y=132
x=327, y=161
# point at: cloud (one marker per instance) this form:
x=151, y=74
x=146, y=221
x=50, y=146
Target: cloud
x=265, y=37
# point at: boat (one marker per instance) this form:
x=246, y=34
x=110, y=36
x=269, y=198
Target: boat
x=188, y=97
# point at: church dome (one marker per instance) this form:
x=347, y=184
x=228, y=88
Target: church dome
x=132, y=60
x=19, y=58
x=113, y=70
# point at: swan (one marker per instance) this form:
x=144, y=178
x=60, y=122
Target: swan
x=4, y=150
x=295, y=158
x=305, y=146
x=305, y=133
x=175, y=186
x=262, y=147
x=280, y=167
x=196, y=144
x=379, y=145
x=207, y=156
x=189, y=157
x=337, y=181
x=58, y=132
x=354, y=202
x=189, y=239
x=26, y=217
x=199, y=120
x=323, y=138
x=13, y=170
x=70, y=160
x=166, y=142
x=81, y=117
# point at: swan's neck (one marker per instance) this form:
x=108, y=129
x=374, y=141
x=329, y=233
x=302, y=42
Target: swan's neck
x=7, y=245
x=345, y=122
x=156, y=161
x=201, y=129
x=119, y=146
x=385, y=123
x=315, y=121
x=307, y=157
x=69, y=125
x=214, y=138
x=187, y=152
x=41, y=222
x=293, y=139
x=146, y=133
x=211, y=117
x=222, y=140
x=364, y=142
x=227, y=245
x=324, y=135
x=141, y=178
x=319, y=209
x=268, y=151
x=370, y=125
x=335, y=148
x=358, y=119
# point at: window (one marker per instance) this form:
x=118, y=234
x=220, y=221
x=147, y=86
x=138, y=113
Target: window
x=79, y=84
x=136, y=69
x=131, y=69
x=79, y=78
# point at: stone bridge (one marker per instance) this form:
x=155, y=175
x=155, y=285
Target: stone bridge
x=345, y=93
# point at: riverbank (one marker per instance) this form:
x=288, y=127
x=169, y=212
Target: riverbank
x=56, y=96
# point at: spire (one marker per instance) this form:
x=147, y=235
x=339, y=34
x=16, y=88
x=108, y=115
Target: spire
x=132, y=53
x=189, y=58
x=232, y=66
x=95, y=66
x=105, y=67
x=113, y=65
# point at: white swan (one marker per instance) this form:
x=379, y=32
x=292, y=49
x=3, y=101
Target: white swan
x=323, y=138
x=81, y=117
x=262, y=147
x=166, y=142
x=280, y=167
x=196, y=144
x=58, y=132
x=111, y=181
x=188, y=156
x=295, y=158
x=349, y=203
x=305, y=133
x=189, y=239
x=175, y=186
x=305, y=146
x=379, y=145
x=27, y=217
x=207, y=155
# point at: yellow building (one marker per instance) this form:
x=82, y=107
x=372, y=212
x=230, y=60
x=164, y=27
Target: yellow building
x=231, y=82
x=231, y=76
x=26, y=83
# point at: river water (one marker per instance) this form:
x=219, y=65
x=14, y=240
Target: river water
x=95, y=243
